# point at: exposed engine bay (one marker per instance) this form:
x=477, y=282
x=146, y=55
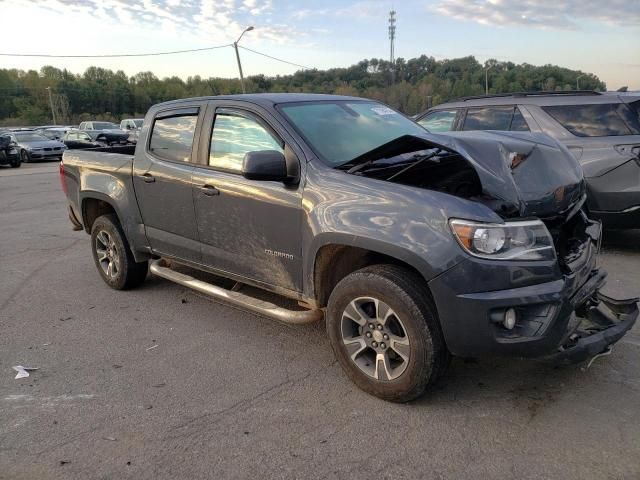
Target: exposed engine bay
x=515, y=175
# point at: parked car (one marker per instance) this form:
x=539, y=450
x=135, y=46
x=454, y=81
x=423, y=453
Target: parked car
x=9, y=151
x=131, y=124
x=54, y=133
x=602, y=130
x=106, y=133
x=414, y=246
x=76, y=139
x=34, y=146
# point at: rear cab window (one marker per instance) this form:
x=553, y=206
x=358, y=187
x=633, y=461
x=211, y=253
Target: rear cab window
x=596, y=120
x=172, y=135
x=439, y=121
x=502, y=118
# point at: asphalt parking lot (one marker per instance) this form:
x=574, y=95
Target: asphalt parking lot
x=161, y=383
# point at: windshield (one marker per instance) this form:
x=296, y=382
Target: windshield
x=31, y=137
x=339, y=131
x=104, y=126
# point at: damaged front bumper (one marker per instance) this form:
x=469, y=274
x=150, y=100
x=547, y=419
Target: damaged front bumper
x=561, y=314
x=602, y=322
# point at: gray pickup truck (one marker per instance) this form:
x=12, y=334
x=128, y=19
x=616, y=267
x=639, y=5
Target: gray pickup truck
x=412, y=246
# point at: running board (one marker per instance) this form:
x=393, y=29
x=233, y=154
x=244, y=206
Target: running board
x=296, y=317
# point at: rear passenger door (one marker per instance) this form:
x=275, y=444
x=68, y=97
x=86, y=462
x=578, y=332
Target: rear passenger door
x=162, y=173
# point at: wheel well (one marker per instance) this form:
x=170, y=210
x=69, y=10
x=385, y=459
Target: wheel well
x=93, y=208
x=334, y=262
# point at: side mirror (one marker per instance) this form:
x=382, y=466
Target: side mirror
x=264, y=165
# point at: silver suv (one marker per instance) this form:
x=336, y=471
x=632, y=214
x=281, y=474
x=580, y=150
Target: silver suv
x=602, y=130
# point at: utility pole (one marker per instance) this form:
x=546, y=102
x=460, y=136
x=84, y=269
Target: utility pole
x=578, y=81
x=392, y=37
x=235, y=45
x=53, y=113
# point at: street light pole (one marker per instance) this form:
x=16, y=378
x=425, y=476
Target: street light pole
x=235, y=46
x=486, y=79
x=53, y=113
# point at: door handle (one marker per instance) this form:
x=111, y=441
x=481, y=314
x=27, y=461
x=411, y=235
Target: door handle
x=147, y=178
x=209, y=190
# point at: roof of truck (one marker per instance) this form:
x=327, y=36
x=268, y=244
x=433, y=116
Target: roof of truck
x=271, y=98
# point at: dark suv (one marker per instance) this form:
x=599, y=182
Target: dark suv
x=602, y=130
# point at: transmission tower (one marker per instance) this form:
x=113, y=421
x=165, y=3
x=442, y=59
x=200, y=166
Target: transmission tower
x=392, y=37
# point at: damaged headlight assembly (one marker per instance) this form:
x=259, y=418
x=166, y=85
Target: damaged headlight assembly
x=522, y=240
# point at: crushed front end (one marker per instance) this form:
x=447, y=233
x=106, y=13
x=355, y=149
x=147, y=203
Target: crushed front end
x=529, y=284
x=548, y=308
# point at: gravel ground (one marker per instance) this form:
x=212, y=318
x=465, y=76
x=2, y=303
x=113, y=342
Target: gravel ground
x=225, y=394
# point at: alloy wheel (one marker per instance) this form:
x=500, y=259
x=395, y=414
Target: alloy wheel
x=107, y=254
x=375, y=338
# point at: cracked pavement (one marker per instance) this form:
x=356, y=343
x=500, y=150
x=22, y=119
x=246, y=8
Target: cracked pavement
x=226, y=394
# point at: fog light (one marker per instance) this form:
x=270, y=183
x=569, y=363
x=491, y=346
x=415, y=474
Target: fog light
x=509, y=319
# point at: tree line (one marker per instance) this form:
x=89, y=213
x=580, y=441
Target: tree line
x=27, y=97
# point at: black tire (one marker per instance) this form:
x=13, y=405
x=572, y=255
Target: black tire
x=16, y=163
x=107, y=237
x=24, y=156
x=406, y=294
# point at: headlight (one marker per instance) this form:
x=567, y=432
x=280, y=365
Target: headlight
x=527, y=240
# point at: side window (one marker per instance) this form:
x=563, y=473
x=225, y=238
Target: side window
x=519, y=124
x=233, y=136
x=488, y=118
x=598, y=120
x=439, y=121
x=81, y=127
x=172, y=137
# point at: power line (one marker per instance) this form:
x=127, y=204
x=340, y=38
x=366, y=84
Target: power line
x=115, y=55
x=275, y=58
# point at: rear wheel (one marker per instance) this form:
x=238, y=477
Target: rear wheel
x=385, y=333
x=112, y=255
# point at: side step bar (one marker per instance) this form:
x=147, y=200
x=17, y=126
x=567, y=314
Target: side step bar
x=296, y=317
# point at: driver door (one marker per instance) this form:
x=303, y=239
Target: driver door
x=248, y=228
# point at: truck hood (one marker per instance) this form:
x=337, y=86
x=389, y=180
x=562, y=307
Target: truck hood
x=521, y=174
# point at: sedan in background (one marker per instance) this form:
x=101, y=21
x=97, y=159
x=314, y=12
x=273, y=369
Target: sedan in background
x=34, y=146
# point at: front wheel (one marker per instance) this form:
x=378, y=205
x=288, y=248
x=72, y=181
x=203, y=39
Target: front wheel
x=112, y=255
x=24, y=156
x=384, y=330
x=16, y=162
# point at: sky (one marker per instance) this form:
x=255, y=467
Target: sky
x=589, y=35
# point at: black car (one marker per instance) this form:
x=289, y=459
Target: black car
x=106, y=133
x=79, y=140
x=9, y=151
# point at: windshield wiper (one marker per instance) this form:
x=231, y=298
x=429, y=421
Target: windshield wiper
x=419, y=158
